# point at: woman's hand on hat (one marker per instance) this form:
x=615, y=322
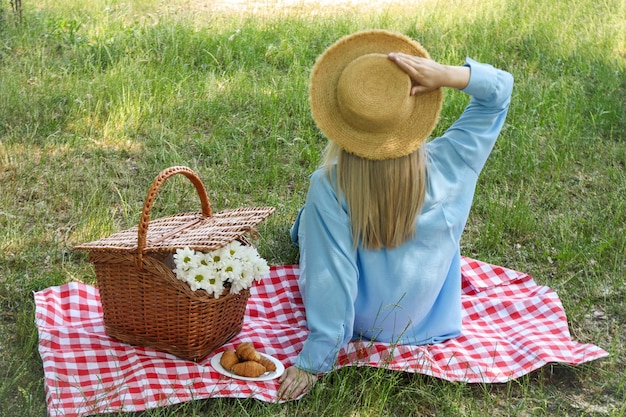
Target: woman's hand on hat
x=427, y=75
x=294, y=382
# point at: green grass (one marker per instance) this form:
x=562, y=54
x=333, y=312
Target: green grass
x=98, y=97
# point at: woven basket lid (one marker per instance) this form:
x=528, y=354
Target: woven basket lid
x=203, y=231
x=186, y=229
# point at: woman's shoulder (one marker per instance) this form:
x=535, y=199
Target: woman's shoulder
x=324, y=176
x=320, y=185
x=318, y=174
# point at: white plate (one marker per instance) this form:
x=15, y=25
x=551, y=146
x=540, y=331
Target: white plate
x=215, y=363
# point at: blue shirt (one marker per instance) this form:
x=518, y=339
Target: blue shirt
x=410, y=294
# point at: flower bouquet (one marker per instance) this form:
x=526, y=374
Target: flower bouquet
x=234, y=266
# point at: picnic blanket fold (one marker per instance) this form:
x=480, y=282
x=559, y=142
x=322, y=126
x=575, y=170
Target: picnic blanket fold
x=511, y=326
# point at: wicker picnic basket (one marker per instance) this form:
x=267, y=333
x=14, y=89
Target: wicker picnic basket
x=142, y=300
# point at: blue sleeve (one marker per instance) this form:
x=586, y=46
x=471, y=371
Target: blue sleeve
x=474, y=134
x=330, y=276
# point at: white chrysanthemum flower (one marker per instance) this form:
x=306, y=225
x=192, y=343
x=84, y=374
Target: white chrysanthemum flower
x=247, y=254
x=234, y=248
x=237, y=287
x=260, y=268
x=218, y=257
x=231, y=269
x=181, y=274
x=243, y=280
x=186, y=259
x=205, y=259
x=199, y=276
x=214, y=285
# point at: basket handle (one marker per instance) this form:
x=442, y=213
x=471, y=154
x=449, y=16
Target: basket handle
x=144, y=221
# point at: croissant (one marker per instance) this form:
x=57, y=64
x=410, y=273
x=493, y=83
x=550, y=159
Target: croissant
x=247, y=352
x=268, y=364
x=250, y=369
x=228, y=359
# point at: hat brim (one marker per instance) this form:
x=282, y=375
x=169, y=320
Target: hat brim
x=406, y=136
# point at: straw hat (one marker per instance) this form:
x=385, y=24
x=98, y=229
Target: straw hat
x=361, y=100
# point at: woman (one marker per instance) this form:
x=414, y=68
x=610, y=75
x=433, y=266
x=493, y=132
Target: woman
x=379, y=233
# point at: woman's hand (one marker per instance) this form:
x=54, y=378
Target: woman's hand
x=428, y=75
x=294, y=382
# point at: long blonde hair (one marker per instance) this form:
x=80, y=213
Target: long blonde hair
x=384, y=197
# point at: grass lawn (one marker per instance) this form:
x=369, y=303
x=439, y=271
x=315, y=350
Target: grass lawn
x=97, y=97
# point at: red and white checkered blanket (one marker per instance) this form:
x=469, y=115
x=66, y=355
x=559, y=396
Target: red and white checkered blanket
x=511, y=326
